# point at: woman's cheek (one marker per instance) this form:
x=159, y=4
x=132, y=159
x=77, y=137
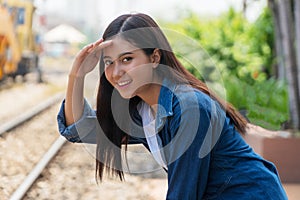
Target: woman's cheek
x=107, y=74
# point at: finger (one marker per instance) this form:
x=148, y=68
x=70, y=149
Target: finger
x=99, y=41
x=86, y=48
x=99, y=45
x=84, y=51
x=91, y=49
x=103, y=45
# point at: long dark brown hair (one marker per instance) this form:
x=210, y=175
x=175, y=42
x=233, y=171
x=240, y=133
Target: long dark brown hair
x=143, y=32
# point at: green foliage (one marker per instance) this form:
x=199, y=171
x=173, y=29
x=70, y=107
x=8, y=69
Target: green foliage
x=262, y=42
x=236, y=47
x=266, y=102
x=239, y=55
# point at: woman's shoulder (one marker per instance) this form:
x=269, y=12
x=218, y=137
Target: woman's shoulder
x=191, y=97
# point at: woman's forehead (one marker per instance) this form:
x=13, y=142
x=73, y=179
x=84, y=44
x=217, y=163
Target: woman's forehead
x=118, y=46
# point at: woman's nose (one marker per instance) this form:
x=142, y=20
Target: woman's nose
x=117, y=71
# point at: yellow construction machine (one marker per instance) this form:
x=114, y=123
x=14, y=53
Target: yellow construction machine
x=19, y=46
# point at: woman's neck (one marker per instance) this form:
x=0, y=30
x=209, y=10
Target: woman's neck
x=150, y=94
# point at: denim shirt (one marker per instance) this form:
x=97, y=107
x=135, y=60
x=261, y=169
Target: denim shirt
x=206, y=156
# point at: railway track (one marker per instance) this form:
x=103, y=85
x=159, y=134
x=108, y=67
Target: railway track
x=20, y=119
x=21, y=134
x=37, y=170
x=37, y=164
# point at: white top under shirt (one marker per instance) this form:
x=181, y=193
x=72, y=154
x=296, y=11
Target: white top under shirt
x=150, y=133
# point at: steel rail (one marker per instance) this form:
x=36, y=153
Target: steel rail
x=37, y=170
x=29, y=114
x=47, y=157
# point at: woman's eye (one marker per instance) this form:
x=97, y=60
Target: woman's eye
x=126, y=59
x=108, y=62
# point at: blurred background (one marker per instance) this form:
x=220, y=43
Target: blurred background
x=247, y=51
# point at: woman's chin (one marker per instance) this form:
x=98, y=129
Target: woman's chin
x=126, y=95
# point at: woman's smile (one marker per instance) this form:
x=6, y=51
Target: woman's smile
x=123, y=83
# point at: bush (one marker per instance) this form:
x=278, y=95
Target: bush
x=239, y=55
x=266, y=102
x=235, y=46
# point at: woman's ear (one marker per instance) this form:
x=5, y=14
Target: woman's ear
x=155, y=57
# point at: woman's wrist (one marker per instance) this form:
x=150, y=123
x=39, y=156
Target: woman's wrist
x=75, y=73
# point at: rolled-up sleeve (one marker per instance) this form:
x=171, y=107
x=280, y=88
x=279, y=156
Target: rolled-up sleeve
x=84, y=130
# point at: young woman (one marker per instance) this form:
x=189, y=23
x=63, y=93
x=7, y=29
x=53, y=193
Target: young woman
x=146, y=96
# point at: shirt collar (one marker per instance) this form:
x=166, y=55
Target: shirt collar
x=165, y=99
x=165, y=106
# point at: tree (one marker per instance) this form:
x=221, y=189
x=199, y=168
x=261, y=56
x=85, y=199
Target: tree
x=286, y=15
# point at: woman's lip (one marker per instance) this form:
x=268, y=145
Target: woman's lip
x=123, y=83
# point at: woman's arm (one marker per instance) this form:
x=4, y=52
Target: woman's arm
x=74, y=101
x=84, y=63
x=76, y=119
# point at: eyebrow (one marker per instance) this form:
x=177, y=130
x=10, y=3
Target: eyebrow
x=120, y=55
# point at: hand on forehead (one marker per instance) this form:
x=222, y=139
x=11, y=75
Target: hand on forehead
x=118, y=47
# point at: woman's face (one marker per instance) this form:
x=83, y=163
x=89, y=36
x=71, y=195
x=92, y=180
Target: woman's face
x=127, y=68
